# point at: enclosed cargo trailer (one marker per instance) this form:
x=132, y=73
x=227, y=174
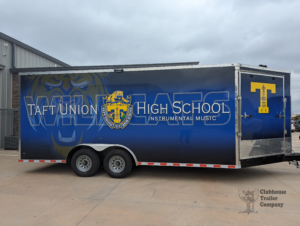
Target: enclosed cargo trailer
x=220, y=116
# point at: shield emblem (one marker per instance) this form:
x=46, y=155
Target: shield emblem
x=117, y=110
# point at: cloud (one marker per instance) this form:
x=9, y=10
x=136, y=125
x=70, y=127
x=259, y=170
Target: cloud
x=131, y=32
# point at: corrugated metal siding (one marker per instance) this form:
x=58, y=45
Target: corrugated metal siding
x=5, y=91
x=26, y=59
x=23, y=59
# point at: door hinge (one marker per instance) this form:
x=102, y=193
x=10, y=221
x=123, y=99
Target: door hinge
x=239, y=97
x=285, y=131
x=284, y=103
x=239, y=134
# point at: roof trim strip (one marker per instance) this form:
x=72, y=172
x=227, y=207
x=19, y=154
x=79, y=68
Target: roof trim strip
x=133, y=67
x=104, y=67
x=33, y=50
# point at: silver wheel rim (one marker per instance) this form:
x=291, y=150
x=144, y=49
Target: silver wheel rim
x=84, y=163
x=116, y=164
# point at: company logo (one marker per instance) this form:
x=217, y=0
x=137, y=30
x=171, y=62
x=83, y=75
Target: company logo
x=263, y=87
x=249, y=197
x=268, y=198
x=116, y=110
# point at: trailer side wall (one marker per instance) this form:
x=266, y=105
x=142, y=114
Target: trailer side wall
x=150, y=112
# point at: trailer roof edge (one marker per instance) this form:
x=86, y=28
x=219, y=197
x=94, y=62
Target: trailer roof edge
x=127, y=69
x=78, y=68
x=264, y=68
x=134, y=67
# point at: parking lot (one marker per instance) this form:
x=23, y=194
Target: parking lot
x=51, y=194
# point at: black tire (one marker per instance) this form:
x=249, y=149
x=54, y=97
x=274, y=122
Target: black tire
x=117, y=163
x=89, y=164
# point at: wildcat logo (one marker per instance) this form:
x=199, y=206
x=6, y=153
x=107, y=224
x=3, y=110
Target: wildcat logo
x=116, y=110
x=263, y=87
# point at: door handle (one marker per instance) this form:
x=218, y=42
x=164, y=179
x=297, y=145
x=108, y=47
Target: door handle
x=246, y=116
x=279, y=116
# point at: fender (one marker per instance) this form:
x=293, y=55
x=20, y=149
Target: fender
x=103, y=147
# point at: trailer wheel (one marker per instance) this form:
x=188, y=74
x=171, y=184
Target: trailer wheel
x=117, y=163
x=85, y=162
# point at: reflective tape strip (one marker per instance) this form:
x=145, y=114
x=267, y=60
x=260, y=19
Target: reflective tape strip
x=188, y=165
x=47, y=161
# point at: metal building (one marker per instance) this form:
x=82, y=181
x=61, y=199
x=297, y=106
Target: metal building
x=15, y=54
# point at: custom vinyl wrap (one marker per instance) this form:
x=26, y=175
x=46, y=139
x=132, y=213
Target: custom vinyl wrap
x=179, y=115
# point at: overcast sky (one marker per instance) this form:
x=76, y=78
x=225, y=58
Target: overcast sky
x=132, y=32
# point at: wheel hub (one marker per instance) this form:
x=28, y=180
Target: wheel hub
x=84, y=163
x=116, y=164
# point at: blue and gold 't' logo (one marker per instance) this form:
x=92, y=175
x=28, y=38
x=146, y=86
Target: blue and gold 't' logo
x=263, y=87
x=116, y=110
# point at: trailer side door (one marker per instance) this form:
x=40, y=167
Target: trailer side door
x=262, y=115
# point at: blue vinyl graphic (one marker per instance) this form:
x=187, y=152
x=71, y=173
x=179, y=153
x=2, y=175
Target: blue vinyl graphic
x=182, y=115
